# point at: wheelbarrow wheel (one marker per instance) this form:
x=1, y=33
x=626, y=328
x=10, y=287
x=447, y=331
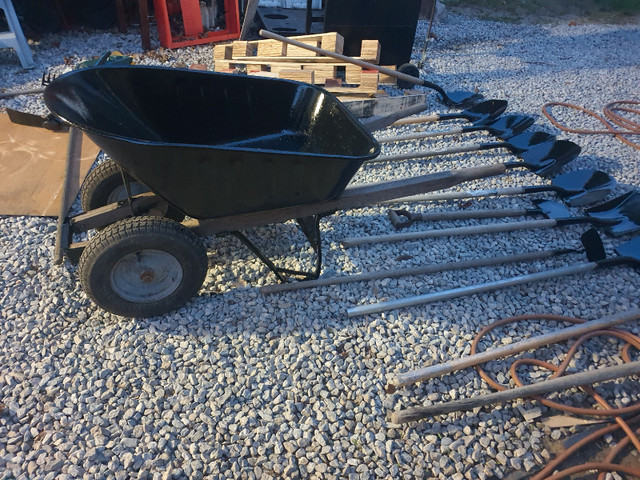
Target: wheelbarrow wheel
x=143, y=266
x=104, y=185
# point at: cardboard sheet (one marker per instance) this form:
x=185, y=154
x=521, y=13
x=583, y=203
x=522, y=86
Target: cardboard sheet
x=32, y=167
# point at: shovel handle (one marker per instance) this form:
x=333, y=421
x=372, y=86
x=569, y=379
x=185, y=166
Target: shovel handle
x=426, y=373
x=447, y=232
x=445, y=216
x=554, y=385
x=436, y=153
x=421, y=270
x=434, y=197
x=420, y=135
x=470, y=290
x=421, y=119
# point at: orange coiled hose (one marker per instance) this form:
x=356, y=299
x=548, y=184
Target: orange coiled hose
x=608, y=464
x=614, y=116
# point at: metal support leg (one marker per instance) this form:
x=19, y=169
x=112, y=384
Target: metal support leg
x=310, y=226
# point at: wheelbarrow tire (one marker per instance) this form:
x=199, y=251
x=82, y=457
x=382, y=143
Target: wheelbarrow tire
x=143, y=266
x=104, y=185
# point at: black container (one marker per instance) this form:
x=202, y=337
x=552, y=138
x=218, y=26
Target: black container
x=393, y=22
x=215, y=144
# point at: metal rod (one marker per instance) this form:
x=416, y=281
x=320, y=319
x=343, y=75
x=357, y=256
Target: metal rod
x=422, y=374
x=447, y=232
x=74, y=148
x=469, y=290
x=424, y=269
x=547, y=386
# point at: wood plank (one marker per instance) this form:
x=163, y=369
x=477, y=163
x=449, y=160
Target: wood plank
x=385, y=79
x=254, y=59
x=369, y=80
x=353, y=74
x=370, y=51
x=271, y=48
x=224, y=51
x=295, y=51
x=243, y=49
x=321, y=72
x=298, y=75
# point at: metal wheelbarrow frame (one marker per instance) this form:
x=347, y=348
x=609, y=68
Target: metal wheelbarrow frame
x=144, y=265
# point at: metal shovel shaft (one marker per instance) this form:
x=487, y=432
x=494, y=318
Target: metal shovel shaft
x=435, y=153
x=434, y=197
x=419, y=135
x=446, y=232
x=426, y=373
x=554, y=385
x=470, y=290
x=469, y=215
x=421, y=270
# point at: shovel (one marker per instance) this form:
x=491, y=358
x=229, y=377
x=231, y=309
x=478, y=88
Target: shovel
x=403, y=218
x=629, y=253
x=501, y=127
x=544, y=159
x=616, y=217
x=486, y=110
x=538, y=142
x=451, y=99
x=576, y=188
x=518, y=145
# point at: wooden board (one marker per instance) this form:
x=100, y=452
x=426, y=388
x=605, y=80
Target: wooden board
x=32, y=166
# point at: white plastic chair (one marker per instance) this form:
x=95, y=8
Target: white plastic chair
x=14, y=38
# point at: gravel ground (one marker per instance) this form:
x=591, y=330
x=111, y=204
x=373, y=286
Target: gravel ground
x=236, y=384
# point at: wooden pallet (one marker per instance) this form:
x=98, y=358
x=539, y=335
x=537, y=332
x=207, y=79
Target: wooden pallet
x=271, y=58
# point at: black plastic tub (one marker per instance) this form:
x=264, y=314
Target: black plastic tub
x=215, y=144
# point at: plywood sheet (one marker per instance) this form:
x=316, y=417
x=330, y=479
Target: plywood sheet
x=32, y=168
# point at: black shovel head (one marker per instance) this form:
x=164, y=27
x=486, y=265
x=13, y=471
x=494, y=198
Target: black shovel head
x=484, y=111
x=460, y=99
x=526, y=141
x=582, y=187
x=593, y=246
x=630, y=251
x=625, y=208
x=551, y=209
x=508, y=126
x=548, y=158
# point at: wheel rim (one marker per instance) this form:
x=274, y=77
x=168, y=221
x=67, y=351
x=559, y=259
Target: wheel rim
x=120, y=193
x=146, y=276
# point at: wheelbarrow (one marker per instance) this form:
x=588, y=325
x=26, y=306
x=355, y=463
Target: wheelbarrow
x=215, y=153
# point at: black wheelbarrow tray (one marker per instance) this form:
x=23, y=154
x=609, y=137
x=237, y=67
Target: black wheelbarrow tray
x=217, y=153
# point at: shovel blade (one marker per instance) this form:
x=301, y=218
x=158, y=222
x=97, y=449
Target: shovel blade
x=524, y=142
x=484, y=111
x=625, y=208
x=551, y=209
x=548, y=159
x=582, y=187
x=460, y=99
x=630, y=250
x=593, y=246
x=508, y=126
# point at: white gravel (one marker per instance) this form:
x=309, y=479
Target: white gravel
x=240, y=385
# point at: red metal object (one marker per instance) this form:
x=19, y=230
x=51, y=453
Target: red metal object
x=193, y=33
